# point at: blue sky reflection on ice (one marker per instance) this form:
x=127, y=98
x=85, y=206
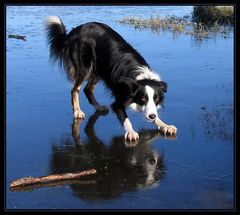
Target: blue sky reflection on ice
x=195, y=171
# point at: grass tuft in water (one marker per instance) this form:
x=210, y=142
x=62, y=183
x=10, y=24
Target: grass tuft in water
x=170, y=23
x=199, y=30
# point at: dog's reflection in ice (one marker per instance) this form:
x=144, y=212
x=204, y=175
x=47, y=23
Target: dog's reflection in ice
x=119, y=168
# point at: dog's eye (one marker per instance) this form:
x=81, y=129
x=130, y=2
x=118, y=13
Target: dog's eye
x=157, y=99
x=143, y=98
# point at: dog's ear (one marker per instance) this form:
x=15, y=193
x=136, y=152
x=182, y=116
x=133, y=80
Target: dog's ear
x=163, y=86
x=128, y=86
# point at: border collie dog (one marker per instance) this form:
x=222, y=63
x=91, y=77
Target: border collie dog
x=94, y=52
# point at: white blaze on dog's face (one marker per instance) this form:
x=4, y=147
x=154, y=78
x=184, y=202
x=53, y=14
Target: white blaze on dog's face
x=148, y=99
x=150, y=109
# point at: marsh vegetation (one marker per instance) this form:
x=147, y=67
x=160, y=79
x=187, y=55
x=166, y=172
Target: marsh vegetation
x=205, y=22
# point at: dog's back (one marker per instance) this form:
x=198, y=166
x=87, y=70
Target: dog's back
x=93, y=47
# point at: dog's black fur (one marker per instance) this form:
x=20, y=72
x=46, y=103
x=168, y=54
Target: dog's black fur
x=93, y=52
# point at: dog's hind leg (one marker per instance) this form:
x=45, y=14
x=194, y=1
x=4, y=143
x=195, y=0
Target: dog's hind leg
x=89, y=90
x=81, y=65
x=77, y=112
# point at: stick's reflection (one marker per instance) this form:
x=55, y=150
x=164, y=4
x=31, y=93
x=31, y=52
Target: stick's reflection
x=119, y=168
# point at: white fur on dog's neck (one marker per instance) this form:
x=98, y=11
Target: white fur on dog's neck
x=146, y=73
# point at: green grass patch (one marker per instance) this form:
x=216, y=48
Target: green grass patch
x=198, y=30
x=169, y=23
x=210, y=15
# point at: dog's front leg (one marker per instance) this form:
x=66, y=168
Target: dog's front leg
x=120, y=111
x=166, y=129
x=130, y=134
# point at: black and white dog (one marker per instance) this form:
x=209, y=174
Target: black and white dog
x=93, y=52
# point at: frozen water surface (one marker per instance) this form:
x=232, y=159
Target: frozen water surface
x=194, y=171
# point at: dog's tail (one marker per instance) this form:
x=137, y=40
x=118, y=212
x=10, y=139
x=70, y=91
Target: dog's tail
x=57, y=37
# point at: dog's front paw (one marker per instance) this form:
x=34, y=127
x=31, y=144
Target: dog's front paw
x=131, y=136
x=78, y=114
x=168, y=129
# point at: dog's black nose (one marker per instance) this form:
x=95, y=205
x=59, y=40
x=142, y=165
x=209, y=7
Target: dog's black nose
x=152, y=116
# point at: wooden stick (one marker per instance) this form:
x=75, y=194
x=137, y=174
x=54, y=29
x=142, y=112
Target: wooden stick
x=31, y=187
x=50, y=178
x=17, y=37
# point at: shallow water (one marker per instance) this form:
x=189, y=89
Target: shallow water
x=193, y=171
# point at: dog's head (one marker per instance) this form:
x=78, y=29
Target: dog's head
x=144, y=95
